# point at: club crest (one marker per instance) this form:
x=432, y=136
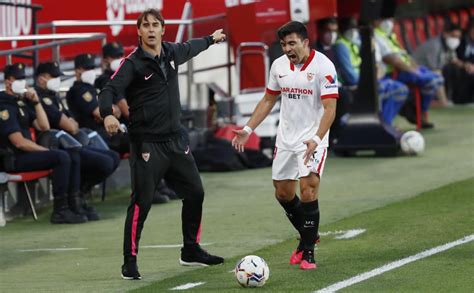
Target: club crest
x=146, y=156
x=310, y=76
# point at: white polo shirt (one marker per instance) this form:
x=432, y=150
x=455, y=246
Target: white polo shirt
x=302, y=89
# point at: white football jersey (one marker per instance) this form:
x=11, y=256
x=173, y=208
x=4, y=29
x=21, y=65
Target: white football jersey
x=302, y=88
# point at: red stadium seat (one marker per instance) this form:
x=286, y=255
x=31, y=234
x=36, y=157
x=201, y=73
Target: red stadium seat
x=398, y=32
x=409, y=35
x=420, y=29
x=454, y=17
x=431, y=26
x=439, y=23
x=471, y=11
x=463, y=18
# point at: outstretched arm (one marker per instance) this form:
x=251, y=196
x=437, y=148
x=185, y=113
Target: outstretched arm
x=261, y=111
x=189, y=49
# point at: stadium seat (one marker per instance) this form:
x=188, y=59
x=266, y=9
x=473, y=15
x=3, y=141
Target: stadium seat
x=471, y=11
x=409, y=35
x=439, y=23
x=398, y=32
x=463, y=18
x=421, y=30
x=25, y=177
x=454, y=17
x=431, y=26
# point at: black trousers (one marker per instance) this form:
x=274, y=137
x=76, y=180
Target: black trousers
x=96, y=166
x=149, y=163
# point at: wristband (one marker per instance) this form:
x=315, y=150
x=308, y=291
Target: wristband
x=316, y=139
x=34, y=103
x=247, y=129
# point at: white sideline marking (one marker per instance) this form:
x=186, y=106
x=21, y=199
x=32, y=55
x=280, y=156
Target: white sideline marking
x=171, y=245
x=188, y=286
x=350, y=234
x=393, y=265
x=50, y=249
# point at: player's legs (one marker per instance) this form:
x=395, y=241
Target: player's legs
x=183, y=177
x=148, y=163
x=309, y=185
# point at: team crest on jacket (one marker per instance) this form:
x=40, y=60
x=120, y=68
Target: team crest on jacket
x=310, y=76
x=146, y=156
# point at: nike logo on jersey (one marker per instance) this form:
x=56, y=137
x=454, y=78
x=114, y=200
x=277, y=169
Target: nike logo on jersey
x=149, y=76
x=187, y=150
x=281, y=76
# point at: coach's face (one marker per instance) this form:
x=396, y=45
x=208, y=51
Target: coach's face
x=295, y=48
x=151, y=31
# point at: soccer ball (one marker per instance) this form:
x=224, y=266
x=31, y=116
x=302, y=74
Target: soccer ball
x=412, y=143
x=252, y=271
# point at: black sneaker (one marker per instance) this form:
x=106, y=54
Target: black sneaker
x=196, y=256
x=90, y=212
x=130, y=271
x=66, y=216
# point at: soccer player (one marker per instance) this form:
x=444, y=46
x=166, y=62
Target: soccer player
x=148, y=78
x=306, y=80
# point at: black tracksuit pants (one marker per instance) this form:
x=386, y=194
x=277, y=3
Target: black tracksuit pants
x=149, y=163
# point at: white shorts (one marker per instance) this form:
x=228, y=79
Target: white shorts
x=289, y=165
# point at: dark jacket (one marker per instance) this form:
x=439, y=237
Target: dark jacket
x=153, y=98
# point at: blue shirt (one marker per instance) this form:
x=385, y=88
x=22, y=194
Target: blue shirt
x=344, y=66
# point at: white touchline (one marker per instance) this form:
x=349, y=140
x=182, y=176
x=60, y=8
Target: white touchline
x=350, y=234
x=50, y=249
x=188, y=286
x=393, y=265
x=171, y=245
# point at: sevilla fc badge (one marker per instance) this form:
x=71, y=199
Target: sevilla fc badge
x=146, y=156
x=310, y=76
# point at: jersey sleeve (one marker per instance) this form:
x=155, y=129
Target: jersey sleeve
x=328, y=79
x=273, y=87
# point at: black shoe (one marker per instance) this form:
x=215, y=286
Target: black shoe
x=90, y=212
x=426, y=125
x=66, y=216
x=159, y=198
x=196, y=256
x=130, y=271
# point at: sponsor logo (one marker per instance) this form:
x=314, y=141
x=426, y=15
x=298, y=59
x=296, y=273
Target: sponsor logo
x=118, y=10
x=331, y=79
x=146, y=156
x=308, y=224
x=15, y=21
x=149, y=76
x=297, y=93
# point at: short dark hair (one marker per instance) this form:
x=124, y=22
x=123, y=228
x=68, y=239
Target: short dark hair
x=153, y=12
x=293, y=27
x=450, y=26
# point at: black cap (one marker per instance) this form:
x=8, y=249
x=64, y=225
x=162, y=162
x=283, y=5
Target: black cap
x=85, y=61
x=16, y=70
x=113, y=49
x=49, y=67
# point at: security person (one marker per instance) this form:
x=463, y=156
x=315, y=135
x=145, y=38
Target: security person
x=16, y=117
x=96, y=164
x=112, y=55
x=149, y=80
x=82, y=102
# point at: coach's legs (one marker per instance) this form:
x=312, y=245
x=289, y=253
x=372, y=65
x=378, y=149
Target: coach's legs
x=147, y=166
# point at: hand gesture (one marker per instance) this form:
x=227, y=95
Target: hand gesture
x=310, y=147
x=112, y=125
x=31, y=95
x=240, y=139
x=218, y=36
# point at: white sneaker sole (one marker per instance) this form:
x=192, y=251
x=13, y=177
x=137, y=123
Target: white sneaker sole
x=192, y=264
x=130, y=278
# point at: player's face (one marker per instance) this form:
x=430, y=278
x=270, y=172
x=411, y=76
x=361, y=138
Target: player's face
x=295, y=48
x=151, y=31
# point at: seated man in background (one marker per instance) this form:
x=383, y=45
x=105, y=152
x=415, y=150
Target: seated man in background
x=82, y=102
x=96, y=164
x=391, y=94
x=16, y=118
x=463, y=89
x=327, y=36
x=439, y=55
x=404, y=69
x=112, y=55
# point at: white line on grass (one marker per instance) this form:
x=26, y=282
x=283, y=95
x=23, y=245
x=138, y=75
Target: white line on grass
x=171, y=245
x=350, y=234
x=50, y=249
x=393, y=265
x=188, y=286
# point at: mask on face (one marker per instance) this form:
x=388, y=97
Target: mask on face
x=53, y=84
x=387, y=26
x=19, y=86
x=88, y=76
x=114, y=65
x=353, y=36
x=452, y=43
x=333, y=37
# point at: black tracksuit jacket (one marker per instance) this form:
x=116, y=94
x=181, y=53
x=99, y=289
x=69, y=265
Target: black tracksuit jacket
x=153, y=98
